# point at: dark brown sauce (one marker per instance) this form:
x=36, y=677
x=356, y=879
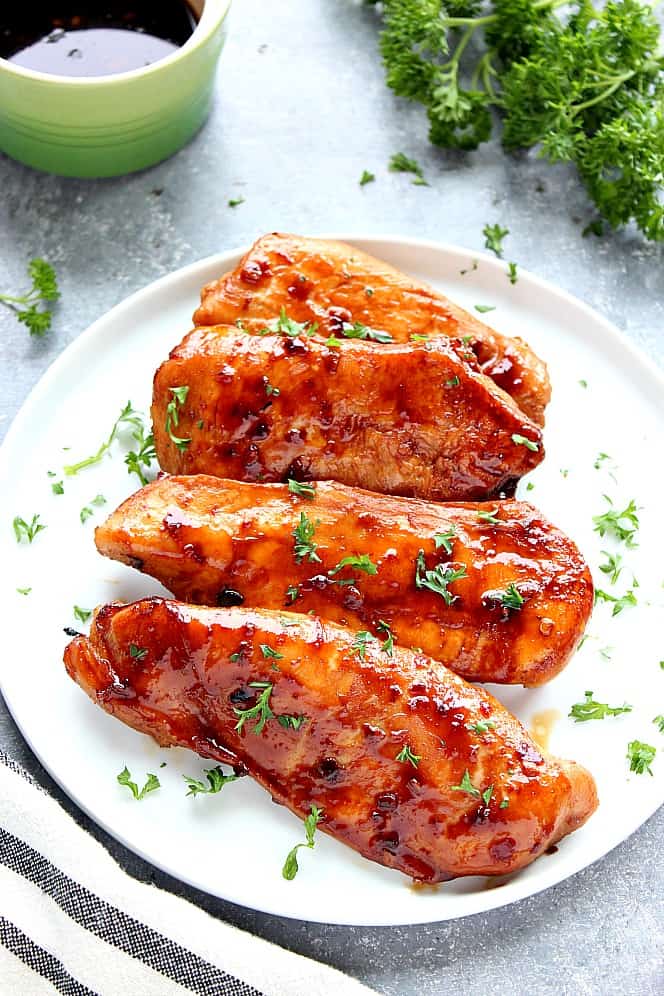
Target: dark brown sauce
x=94, y=39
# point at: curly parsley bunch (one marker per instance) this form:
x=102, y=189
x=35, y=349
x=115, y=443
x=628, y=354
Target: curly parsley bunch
x=584, y=83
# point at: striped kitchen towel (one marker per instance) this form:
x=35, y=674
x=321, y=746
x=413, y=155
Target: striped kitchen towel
x=72, y=921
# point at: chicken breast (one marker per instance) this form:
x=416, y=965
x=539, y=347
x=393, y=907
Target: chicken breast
x=409, y=419
x=411, y=766
x=496, y=594
x=330, y=283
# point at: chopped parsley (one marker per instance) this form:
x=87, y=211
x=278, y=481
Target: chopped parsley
x=452, y=382
x=82, y=614
x=304, y=546
x=366, y=177
x=293, y=593
x=173, y=415
x=287, y=326
x=235, y=202
x=57, y=487
x=43, y=290
x=216, y=780
x=27, y=530
x=466, y=786
x=363, y=562
x=493, y=238
x=438, y=579
x=307, y=491
x=445, y=539
x=362, y=640
x=128, y=416
x=581, y=712
x=272, y=392
x=659, y=723
x=512, y=598
x=520, y=440
x=583, y=383
x=261, y=711
x=511, y=273
x=269, y=653
x=489, y=516
x=356, y=330
x=388, y=644
x=137, y=653
x=406, y=756
x=291, y=722
x=144, y=454
x=291, y=868
x=619, y=603
x=612, y=566
x=622, y=525
x=400, y=163
x=484, y=308
x=24, y=591
x=152, y=783
x=481, y=726
x=640, y=757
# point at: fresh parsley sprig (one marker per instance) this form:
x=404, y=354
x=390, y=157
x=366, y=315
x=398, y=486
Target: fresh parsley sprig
x=260, y=711
x=127, y=417
x=44, y=290
x=151, y=785
x=401, y=163
x=27, y=530
x=173, y=415
x=291, y=867
x=439, y=578
x=589, y=709
x=215, y=778
x=303, y=536
x=640, y=756
x=622, y=525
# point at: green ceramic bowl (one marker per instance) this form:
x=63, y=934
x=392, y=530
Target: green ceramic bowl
x=109, y=125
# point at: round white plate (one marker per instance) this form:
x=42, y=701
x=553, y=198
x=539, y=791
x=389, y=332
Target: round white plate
x=234, y=844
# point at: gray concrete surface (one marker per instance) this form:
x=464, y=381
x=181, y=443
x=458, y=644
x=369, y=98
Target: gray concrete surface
x=302, y=109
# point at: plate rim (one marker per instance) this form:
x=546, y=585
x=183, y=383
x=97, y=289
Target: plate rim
x=645, y=366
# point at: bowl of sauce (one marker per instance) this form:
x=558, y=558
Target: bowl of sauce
x=93, y=89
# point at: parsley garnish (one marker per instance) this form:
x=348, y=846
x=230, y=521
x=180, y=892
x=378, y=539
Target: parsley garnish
x=493, y=238
x=126, y=417
x=272, y=392
x=612, y=566
x=520, y=440
x=235, y=201
x=137, y=653
x=406, y=756
x=356, y=330
x=466, y=786
x=363, y=562
x=260, y=711
x=26, y=306
x=291, y=868
x=623, y=525
x=489, y=516
x=512, y=598
x=304, y=546
x=293, y=592
x=85, y=513
x=438, y=579
x=452, y=382
x=629, y=598
x=57, y=488
x=659, y=723
x=286, y=326
x=483, y=308
x=388, y=644
x=152, y=783
x=82, y=614
x=581, y=712
x=24, y=591
x=144, y=454
x=481, y=726
x=27, y=530
x=216, y=780
x=640, y=757
x=307, y=491
x=269, y=653
x=400, y=163
x=366, y=177
x=583, y=383
x=362, y=641
x=445, y=539
x=511, y=273
x=173, y=415
x=291, y=722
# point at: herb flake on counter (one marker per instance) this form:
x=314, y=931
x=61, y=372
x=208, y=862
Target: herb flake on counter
x=82, y=614
x=484, y=308
x=261, y=711
x=406, y=756
x=303, y=536
x=151, y=785
x=307, y=491
x=520, y=440
x=400, y=163
x=44, y=290
x=493, y=238
x=291, y=868
x=363, y=562
x=619, y=603
x=27, y=530
x=216, y=780
x=465, y=785
x=366, y=177
x=612, y=566
x=622, y=525
x=128, y=416
x=173, y=415
x=438, y=579
x=387, y=646
x=589, y=709
x=640, y=756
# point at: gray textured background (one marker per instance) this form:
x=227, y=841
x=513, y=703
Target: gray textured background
x=302, y=109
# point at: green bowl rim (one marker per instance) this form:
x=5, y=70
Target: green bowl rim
x=199, y=36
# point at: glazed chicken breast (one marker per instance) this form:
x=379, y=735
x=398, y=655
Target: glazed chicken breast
x=495, y=593
x=336, y=285
x=411, y=419
x=410, y=766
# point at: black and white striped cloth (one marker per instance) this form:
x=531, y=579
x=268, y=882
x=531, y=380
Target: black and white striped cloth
x=71, y=921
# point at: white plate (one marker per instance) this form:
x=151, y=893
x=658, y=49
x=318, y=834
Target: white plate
x=233, y=845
